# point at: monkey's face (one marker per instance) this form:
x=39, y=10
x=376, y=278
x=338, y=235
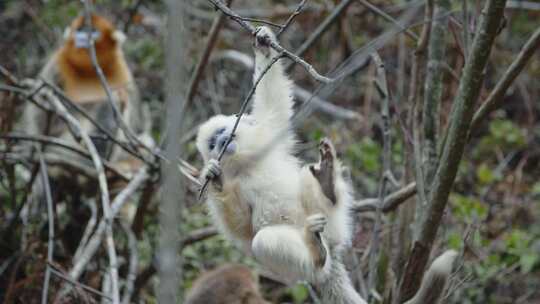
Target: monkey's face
x=216, y=132
x=77, y=42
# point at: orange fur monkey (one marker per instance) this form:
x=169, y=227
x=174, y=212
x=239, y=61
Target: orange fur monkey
x=71, y=69
x=230, y=283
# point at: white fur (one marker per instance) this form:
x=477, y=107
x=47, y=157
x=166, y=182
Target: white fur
x=266, y=195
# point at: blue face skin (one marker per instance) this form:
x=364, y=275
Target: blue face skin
x=218, y=140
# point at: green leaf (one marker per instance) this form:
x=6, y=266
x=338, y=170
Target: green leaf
x=299, y=293
x=528, y=261
x=485, y=174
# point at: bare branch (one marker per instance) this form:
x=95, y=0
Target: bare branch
x=381, y=13
x=132, y=138
x=77, y=284
x=462, y=112
x=201, y=65
x=382, y=88
x=64, y=144
x=276, y=46
x=291, y=17
x=93, y=244
x=391, y=201
x=317, y=33
x=496, y=97
x=50, y=223
x=133, y=261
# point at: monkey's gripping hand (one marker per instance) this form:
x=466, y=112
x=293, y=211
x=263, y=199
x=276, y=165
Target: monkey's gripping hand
x=315, y=224
x=263, y=39
x=212, y=172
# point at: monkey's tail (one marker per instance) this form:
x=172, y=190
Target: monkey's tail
x=336, y=287
x=434, y=282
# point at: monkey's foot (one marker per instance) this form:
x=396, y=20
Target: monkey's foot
x=315, y=225
x=263, y=38
x=212, y=172
x=325, y=171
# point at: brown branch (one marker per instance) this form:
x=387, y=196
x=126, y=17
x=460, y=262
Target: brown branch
x=462, y=112
x=391, y=201
x=201, y=65
x=496, y=97
x=321, y=29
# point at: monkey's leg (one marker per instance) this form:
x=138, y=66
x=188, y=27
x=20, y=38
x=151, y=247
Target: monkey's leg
x=325, y=172
x=289, y=251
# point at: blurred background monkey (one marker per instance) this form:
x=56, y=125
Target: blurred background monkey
x=229, y=283
x=71, y=69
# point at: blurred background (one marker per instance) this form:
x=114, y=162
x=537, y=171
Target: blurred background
x=493, y=215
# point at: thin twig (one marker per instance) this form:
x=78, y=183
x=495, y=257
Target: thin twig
x=61, y=143
x=381, y=13
x=391, y=201
x=382, y=88
x=133, y=262
x=321, y=29
x=132, y=138
x=102, y=180
x=201, y=65
x=95, y=241
x=88, y=230
x=291, y=18
x=77, y=284
x=273, y=44
x=50, y=223
x=496, y=97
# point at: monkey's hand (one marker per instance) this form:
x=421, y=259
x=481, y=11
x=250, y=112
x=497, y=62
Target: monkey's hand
x=263, y=39
x=325, y=172
x=315, y=224
x=212, y=172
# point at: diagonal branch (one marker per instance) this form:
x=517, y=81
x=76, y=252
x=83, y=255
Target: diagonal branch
x=495, y=98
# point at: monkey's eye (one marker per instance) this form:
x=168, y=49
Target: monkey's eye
x=213, y=139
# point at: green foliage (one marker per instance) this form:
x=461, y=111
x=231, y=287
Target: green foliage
x=366, y=154
x=299, y=293
x=503, y=134
x=466, y=208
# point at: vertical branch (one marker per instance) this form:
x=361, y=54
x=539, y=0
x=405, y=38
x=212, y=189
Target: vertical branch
x=50, y=220
x=462, y=112
x=382, y=88
x=104, y=189
x=201, y=65
x=417, y=78
x=433, y=90
x=172, y=187
x=133, y=261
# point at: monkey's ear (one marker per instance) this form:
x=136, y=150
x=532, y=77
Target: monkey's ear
x=119, y=36
x=67, y=33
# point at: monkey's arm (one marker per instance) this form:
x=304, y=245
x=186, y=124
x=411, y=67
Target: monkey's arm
x=273, y=99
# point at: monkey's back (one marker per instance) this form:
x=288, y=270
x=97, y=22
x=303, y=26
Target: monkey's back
x=228, y=284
